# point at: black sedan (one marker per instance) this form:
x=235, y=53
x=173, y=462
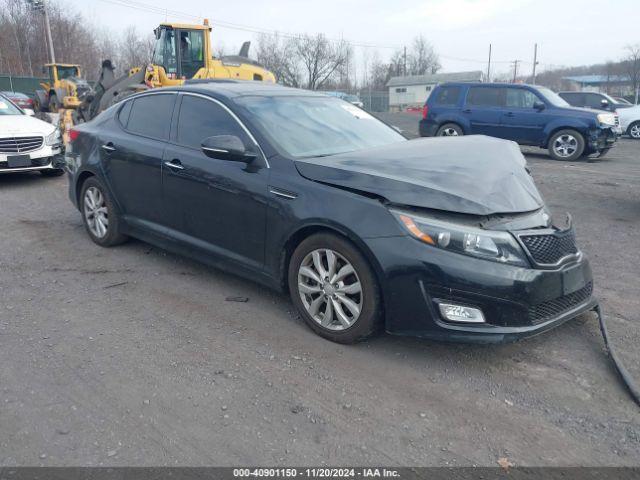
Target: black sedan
x=444, y=238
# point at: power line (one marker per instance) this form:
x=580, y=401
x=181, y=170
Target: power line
x=142, y=6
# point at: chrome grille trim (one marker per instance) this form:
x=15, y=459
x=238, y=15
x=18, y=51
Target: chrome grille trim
x=20, y=144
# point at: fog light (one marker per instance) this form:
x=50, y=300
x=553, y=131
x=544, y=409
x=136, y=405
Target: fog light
x=460, y=313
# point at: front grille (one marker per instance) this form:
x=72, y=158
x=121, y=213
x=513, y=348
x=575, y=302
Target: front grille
x=550, y=248
x=20, y=144
x=552, y=308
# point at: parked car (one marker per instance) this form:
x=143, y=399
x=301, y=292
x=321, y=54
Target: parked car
x=28, y=144
x=595, y=100
x=21, y=100
x=442, y=238
x=622, y=101
x=630, y=121
x=353, y=99
x=526, y=114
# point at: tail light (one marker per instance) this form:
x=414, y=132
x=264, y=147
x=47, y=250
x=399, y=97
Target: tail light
x=73, y=134
x=425, y=112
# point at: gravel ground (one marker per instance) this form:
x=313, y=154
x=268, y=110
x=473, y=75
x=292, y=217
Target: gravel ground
x=132, y=355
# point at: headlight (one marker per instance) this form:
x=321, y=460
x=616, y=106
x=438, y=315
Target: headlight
x=53, y=138
x=497, y=246
x=607, y=118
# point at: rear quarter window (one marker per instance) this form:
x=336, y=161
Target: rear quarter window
x=447, y=96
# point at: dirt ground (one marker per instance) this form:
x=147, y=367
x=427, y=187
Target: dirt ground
x=132, y=356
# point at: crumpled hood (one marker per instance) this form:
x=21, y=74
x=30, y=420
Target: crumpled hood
x=476, y=175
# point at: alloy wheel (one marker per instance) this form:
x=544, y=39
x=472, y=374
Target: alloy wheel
x=330, y=289
x=449, y=132
x=634, y=131
x=565, y=145
x=96, y=212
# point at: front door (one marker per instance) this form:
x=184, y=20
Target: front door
x=522, y=122
x=217, y=205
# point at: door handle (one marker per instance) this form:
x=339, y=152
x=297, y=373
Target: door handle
x=466, y=110
x=509, y=114
x=174, y=164
x=108, y=147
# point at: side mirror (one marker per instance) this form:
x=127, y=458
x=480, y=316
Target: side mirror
x=604, y=102
x=226, y=147
x=539, y=105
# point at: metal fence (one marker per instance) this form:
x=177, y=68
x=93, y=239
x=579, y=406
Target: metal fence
x=375, y=101
x=26, y=85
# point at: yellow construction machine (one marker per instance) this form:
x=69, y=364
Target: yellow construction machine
x=182, y=53
x=63, y=89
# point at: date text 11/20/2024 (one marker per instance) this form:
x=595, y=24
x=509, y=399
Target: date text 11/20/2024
x=316, y=472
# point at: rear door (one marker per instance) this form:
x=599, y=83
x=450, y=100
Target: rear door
x=483, y=106
x=521, y=122
x=217, y=205
x=132, y=155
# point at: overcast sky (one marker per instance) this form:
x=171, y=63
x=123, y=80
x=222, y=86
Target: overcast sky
x=568, y=32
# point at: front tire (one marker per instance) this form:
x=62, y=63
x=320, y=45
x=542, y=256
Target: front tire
x=335, y=289
x=99, y=215
x=634, y=130
x=566, y=145
x=449, y=130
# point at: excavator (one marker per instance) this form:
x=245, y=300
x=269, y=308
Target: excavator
x=182, y=53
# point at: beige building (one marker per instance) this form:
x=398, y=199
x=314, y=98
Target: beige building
x=413, y=91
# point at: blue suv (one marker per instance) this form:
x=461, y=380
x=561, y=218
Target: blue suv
x=526, y=114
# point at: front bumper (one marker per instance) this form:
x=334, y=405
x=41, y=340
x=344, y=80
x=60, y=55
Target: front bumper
x=516, y=302
x=602, y=138
x=45, y=158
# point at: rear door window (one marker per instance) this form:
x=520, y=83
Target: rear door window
x=447, y=96
x=485, y=97
x=201, y=118
x=593, y=100
x=575, y=99
x=151, y=116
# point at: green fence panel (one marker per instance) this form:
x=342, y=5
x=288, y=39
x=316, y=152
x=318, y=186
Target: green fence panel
x=26, y=85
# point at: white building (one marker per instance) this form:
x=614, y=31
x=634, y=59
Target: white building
x=413, y=91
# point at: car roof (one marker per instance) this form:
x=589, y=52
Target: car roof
x=239, y=88
x=488, y=84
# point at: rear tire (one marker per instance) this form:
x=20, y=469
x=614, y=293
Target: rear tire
x=327, y=297
x=566, y=145
x=634, y=130
x=450, y=130
x=99, y=215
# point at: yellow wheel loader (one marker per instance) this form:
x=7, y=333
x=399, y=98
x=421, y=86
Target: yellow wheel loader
x=62, y=90
x=182, y=53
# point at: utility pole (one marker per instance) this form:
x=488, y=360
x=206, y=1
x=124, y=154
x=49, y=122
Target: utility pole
x=535, y=63
x=405, y=62
x=489, y=66
x=515, y=70
x=41, y=6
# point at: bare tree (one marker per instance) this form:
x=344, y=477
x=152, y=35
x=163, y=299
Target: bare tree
x=423, y=58
x=320, y=58
x=279, y=55
x=632, y=67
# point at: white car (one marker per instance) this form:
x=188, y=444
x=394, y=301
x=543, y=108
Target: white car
x=630, y=121
x=28, y=144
